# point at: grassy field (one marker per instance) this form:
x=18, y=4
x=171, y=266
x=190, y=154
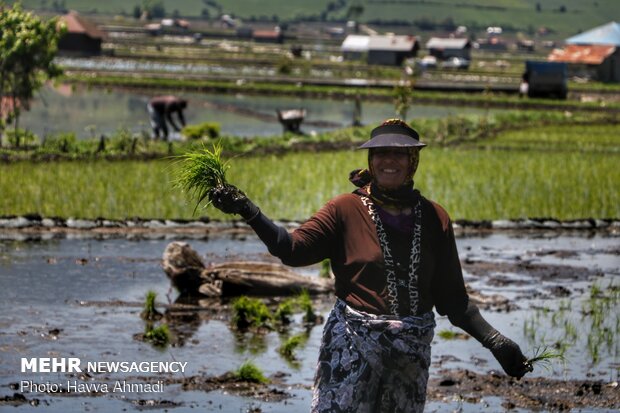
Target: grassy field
x=519, y=14
x=548, y=173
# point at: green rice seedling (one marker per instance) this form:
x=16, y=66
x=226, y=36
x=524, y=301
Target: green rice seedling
x=326, y=269
x=543, y=356
x=284, y=311
x=149, y=312
x=201, y=171
x=287, y=350
x=159, y=336
x=595, y=291
x=529, y=330
x=305, y=303
x=250, y=312
x=594, y=344
x=570, y=332
x=448, y=334
x=248, y=371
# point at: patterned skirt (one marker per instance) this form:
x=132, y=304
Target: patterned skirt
x=373, y=363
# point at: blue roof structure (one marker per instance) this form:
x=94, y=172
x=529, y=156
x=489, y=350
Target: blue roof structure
x=607, y=34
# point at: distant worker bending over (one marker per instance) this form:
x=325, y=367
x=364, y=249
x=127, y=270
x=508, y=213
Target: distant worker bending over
x=160, y=110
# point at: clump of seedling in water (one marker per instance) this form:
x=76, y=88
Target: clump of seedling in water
x=149, y=312
x=248, y=371
x=250, y=312
x=284, y=312
x=305, y=303
x=288, y=348
x=452, y=335
x=326, y=269
x=201, y=171
x=158, y=336
x=543, y=356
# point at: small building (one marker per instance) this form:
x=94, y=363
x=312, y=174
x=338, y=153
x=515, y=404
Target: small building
x=443, y=48
x=494, y=43
x=593, y=54
x=268, y=36
x=82, y=37
x=596, y=62
x=244, y=32
x=391, y=50
x=526, y=45
x=607, y=34
x=355, y=47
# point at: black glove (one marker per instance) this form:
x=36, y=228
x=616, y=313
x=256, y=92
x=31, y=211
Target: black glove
x=508, y=353
x=230, y=200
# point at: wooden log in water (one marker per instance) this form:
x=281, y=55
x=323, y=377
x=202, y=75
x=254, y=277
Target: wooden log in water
x=189, y=274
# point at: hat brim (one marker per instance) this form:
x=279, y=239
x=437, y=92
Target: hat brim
x=392, y=140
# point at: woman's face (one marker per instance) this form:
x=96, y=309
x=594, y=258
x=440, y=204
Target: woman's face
x=391, y=167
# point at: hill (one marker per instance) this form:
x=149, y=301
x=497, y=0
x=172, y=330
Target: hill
x=562, y=18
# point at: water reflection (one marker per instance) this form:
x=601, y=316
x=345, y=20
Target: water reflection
x=90, y=112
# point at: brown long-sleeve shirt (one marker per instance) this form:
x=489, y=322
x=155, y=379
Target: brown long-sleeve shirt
x=344, y=232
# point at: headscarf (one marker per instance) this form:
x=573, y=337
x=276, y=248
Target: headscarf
x=401, y=197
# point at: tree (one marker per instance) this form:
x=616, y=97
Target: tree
x=403, y=98
x=28, y=46
x=154, y=9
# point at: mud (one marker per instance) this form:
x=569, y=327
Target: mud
x=89, y=304
x=527, y=393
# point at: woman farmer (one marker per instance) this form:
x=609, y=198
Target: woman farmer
x=394, y=258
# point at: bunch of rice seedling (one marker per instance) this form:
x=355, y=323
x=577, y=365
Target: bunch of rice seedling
x=305, y=303
x=290, y=346
x=251, y=373
x=202, y=171
x=150, y=313
x=159, y=336
x=543, y=357
x=250, y=312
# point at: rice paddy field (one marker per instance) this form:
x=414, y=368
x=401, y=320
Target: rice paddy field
x=562, y=172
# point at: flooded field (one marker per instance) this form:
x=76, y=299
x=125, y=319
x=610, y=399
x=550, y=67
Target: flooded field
x=92, y=112
x=81, y=296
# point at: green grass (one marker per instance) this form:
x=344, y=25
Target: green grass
x=470, y=184
x=566, y=138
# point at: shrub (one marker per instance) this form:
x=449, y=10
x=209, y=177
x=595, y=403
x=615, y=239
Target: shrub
x=21, y=137
x=61, y=143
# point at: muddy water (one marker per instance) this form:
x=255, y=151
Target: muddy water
x=92, y=112
x=80, y=297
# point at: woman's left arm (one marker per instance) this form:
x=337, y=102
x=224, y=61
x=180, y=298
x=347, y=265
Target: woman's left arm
x=451, y=299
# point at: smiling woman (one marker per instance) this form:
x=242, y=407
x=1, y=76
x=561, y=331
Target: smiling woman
x=393, y=255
